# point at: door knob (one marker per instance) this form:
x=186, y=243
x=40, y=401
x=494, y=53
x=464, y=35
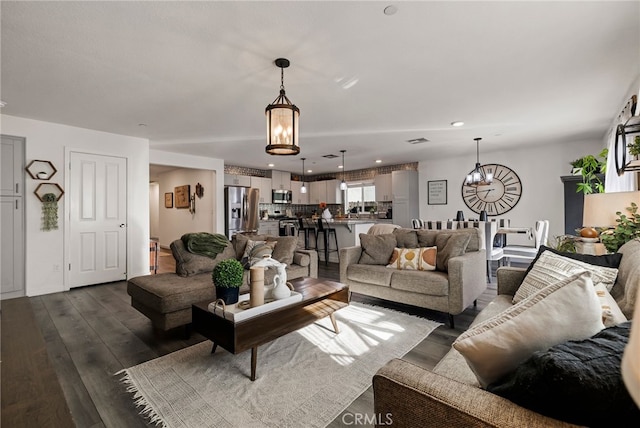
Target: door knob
x=122, y=225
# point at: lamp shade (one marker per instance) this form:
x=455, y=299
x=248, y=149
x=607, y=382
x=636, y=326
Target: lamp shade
x=282, y=129
x=631, y=360
x=600, y=208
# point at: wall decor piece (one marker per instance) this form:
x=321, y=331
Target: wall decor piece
x=168, y=200
x=437, y=192
x=48, y=188
x=183, y=197
x=199, y=190
x=49, y=212
x=41, y=169
x=496, y=198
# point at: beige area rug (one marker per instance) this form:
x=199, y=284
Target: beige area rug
x=306, y=378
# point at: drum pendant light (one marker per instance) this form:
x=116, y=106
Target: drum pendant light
x=282, y=120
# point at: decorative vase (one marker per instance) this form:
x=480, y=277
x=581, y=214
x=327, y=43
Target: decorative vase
x=281, y=289
x=459, y=216
x=256, y=286
x=326, y=214
x=230, y=295
x=483, y=215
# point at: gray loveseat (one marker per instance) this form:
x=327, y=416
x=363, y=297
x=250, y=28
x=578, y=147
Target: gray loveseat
x=450, y=395
x=459, y=278
x=166, y=298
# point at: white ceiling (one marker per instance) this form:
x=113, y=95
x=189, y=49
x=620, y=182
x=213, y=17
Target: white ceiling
x=199, y=74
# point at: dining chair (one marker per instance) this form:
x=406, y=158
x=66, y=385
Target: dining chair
x=527, y=253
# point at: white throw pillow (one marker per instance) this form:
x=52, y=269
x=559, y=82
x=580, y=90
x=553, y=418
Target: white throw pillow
x=551, y=268
x=566, y=310
x=611, y=312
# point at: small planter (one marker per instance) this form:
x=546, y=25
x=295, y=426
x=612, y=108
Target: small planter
x=227, y=278
x=229, y=295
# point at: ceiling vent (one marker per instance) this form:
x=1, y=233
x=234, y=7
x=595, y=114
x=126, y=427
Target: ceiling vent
x=417, y=140
x=330, y=156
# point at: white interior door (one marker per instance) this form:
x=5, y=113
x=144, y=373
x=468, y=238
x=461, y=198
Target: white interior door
x=97, y=219
x=12, y=257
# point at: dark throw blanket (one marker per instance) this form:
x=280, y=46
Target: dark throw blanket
x=205, y=244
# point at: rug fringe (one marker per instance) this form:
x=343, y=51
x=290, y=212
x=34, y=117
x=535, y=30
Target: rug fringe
x=139, y=400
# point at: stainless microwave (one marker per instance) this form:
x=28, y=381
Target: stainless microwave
x=281, y=196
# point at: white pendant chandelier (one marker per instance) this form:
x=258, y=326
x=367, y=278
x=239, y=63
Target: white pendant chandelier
x=303, y=189
x=343, y=184
x=282, y=120
x=477, y=177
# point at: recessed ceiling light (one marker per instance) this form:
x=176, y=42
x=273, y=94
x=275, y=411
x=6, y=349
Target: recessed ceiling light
x=2, y=104
x=340, y=166
x=270, y=165
x=390, y=10
x=378, y=160
x=309, y=170
x=457, y=123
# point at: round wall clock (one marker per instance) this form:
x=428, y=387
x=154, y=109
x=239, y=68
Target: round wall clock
x=498, y=197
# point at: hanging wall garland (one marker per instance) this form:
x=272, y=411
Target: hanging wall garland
x=49, y=212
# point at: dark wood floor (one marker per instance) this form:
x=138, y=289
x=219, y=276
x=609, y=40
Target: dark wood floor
x=91, y=333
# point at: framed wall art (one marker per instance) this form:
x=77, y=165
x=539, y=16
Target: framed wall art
x=183, y=195
x=437, y=192
x=168, y=200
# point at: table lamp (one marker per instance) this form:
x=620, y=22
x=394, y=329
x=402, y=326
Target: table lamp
x=631, y=360
x=600, y=208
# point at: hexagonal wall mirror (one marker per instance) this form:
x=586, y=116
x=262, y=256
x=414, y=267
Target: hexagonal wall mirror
x=41, y=169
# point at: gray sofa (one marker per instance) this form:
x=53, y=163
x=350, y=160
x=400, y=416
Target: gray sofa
x=456, y=283
x=166, y=298
x=450, y=395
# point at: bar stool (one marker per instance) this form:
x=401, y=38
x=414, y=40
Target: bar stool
x=307, y=229
x=326, y=231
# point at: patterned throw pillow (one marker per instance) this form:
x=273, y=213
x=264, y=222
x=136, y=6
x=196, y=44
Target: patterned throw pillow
x=255, y=251
x=413, y=258
x=611, y=312
x=551, y=268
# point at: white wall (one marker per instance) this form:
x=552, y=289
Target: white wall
x=46, y=255
x=154, y=209
x=158, y=157
x=539, y=169
x=175, y=222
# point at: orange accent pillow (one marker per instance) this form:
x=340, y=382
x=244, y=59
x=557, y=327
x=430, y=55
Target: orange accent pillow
x=413, y=258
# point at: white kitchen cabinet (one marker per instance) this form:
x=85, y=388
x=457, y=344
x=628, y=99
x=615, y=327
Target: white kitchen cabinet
x=404, y=184
x=317, y=192
x=280, y=180
x=325, y=191
x=383, y=187
x=334, y=194
x=237, y=180
x=296, y=196
x=405, y=197
x=264, y=185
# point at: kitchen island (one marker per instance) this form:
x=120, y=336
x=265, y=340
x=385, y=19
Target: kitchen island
x=348, y=232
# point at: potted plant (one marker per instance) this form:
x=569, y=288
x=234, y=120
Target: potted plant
x=589, y=167
x=227, y=278
x=634, y=148
x=628, y=228
x=566, y=243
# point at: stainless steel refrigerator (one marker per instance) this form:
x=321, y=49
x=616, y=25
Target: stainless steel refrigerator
x=241, y=210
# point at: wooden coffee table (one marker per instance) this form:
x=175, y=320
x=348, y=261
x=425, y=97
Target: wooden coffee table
x=320, y=298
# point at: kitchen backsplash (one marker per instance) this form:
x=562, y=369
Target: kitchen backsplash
x=308, y=210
